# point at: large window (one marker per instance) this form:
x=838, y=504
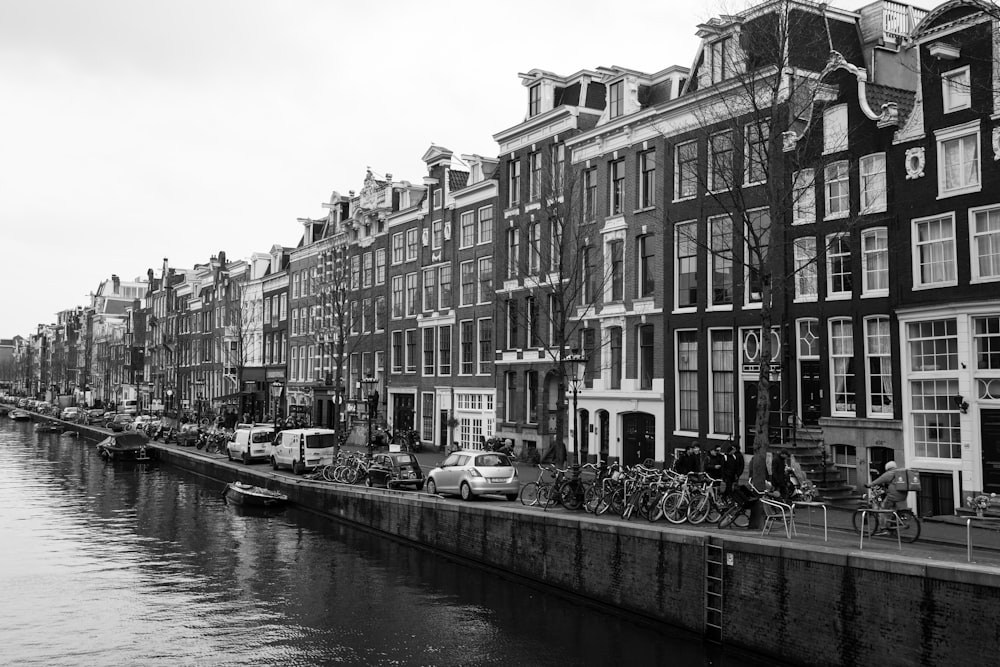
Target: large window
x=644, y=338
x=444, y=287
x=510, y=396
x=427, y=416
x=616, y=186
x=486, y=224
x=397, y=352
x=380, y=313
x=430, y=289
x=958, y=159
x=616, y=258
x=398, y=302
x=467, y=347
x=687, y=381
x=936, y=419
x=875, y=261
x=485, y=346
x=720, y=163
x=873, y=195
x=512, y=317
x=986, y=243
x=398, y=248
x=486, y=280
x=429, y=349
x=686, y=170
x=468, y=278
x=838, y=190
x=590, y=194
x=534, y=175
x=756, y=153
x=615, y=357
x=842, y=367
x=723, y=381
x=647, y=179
x=531, y=319
x=805, y=269
x=411, y=294
x=645, y=282
x=531, y=396
x=412, y=243
x=934, y=251
x=803, y=197
x=444, y=350
x=835, y=129
x=956, y=90
x=986, y=334
x=468, y=228
x=759, y=227
x=535, y=99
x=534, y=248
x=839, y=280
x=616, y=99
x=513, y=252
x=721, y=246
x=411, y=350
x=686, y=245
x=933, y=345
x=513, y=182
x=878, y=364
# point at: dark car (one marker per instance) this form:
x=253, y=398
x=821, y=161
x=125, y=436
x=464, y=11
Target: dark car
x=119, y=422
x=395, y=470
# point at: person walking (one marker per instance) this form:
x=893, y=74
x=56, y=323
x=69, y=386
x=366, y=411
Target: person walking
x=779, y=474
x=732, y=468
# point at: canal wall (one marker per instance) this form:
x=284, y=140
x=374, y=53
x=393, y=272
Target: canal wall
x=797, y=603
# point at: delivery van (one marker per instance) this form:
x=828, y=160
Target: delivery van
x=302, y=448
x=251, y=442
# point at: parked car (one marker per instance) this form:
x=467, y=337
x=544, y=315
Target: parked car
x=471, y=473
x=302, y=448
x=253, y=442
x=94, y=416
x=71, y=414
x=187, y=434
x=395, y=470
x=119, y=422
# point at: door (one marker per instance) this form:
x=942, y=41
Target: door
x=989, y=421
x=604, y=422
x=638, y=437
x=936, y=495
x=402, y=411
x=584, y=435
x=443, y=431
x=811, y=392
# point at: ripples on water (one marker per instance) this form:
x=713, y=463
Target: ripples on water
x=133, y=565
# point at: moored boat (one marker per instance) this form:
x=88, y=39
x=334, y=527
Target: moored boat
x=125, y=447
x=48, y=427
x=20, y=416
x=257, y=496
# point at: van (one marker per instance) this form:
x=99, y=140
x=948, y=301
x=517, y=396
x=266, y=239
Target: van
x=129, y=407
x=301, y=448
x=251, y=442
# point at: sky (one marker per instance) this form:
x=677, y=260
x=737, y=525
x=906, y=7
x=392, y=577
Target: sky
x=133, y=130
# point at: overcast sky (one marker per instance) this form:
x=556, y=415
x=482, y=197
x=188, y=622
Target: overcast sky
x=133, y=130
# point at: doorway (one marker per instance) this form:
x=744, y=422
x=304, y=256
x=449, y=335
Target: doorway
x=989, y=424
x=639, y=437
x=604, y=433
x=583, y=421
x=810, y=392
x=402, y=411
x=936, y=495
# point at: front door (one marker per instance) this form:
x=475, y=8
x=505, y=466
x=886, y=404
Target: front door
x=937, y=494
x=402, y=411
x=443, y=431
x=989, y=421
x=811, y=392
x=639, y=437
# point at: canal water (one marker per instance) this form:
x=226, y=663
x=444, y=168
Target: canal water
x=104, y=564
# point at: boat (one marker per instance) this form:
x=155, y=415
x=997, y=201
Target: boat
x=125, y=447
x=48, y=427
x=247, y=494
x=20, y=416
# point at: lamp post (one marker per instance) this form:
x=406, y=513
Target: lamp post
x=169, y=411
x=577, y=366
x=371, y=398
x=276, y=388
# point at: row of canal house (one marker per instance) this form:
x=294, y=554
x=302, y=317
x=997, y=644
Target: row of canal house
x=649, y=224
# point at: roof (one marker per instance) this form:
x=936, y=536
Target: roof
x=878, y=95
x=457, y=179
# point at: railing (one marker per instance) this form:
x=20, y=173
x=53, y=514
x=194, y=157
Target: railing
x=899, y=20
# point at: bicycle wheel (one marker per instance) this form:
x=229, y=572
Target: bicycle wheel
x=591, y=498
x=529, y=494
x=656, y=507
x=618, y=501
x=742, y=519
x=698, y=510
x=675, y=507
x=870, y=519
x=908, y=526
x=603, y=501
x=729, y=516
x=714, y=511
x=570, y=495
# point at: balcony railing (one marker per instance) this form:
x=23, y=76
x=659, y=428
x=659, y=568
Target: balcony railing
x=899, y=20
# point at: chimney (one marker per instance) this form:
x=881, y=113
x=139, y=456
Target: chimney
x=115, y=284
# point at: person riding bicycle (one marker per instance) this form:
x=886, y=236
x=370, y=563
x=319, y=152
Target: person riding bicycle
x=892, y=494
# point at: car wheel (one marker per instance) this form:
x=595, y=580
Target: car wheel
x=368, y=481
x=274, y=463
x=298, y=467
x=246, y=458
x=432, y=487
x=466, y=491
x=511, y=497
x=419, y=486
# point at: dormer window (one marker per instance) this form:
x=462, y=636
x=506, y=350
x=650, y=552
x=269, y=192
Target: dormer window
x=475, y=173
x=835, y=129
x=404, y=199
x=616, y=99
x=717, y=59
x=436, y=199
x=535, y=100
x=955, y=91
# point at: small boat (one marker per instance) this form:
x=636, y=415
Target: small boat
x=125, y=447
x=48, y=427
x=20, y=416
x=246, y=494
x=4, y=410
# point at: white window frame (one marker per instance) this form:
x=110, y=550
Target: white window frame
x=870, y=179
x=804, y=197
x=975, y=236
x=957, y=134
x=485, y=230
x=952, y=89
x=716, y=255
x=835, y=129
x=832, y=174
x=748, y=152
x=714, y=412
x=714, y=184
x=467, y=222
x=881, y=351
x=948, y=281
x=806, y=271
x=844, y=354
x=686, y=224
x=868, y=256
x=679, y=194
x=840, y=240
x=677, y=381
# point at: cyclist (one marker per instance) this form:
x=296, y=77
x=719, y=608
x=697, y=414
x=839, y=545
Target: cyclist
x=892, y=495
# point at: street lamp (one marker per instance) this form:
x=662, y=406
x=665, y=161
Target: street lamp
x=577, y=374
x=371, y=397
x=170, y=405
x=276, y=388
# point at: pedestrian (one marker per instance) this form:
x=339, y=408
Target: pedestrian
x=698, y=458
x=779, y=475
x=682, y=461
x=715, y=462
x=732, y=468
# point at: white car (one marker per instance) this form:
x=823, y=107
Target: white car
x=71, y=414
x=251, y=443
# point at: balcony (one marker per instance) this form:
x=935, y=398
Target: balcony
x=899, y=20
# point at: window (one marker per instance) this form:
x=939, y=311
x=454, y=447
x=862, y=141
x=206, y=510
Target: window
x=412, y=243
x=466, y=334
x=535, y=100
x=468, y=229
x=368, y=277
x=486, y=280
x=555, y=243
x=721, y=246
x=430, y=289
x=616, y=258
x=485, y=346
x=839, y=281
x=933, y=345
x=486, y=224
x=878, y=364
x=436, y=198
x=616, y=99
x=513, y=182
x=427, y=416
x=936, y=419
x=723, y=381
x=645, y=346
x=531, y=317
x=429, y=349
x=615, y=356
x=756, y=153
x=720, y=164
x=295, y=363
x=805, y=269
x=934, y=252
x=444, y=287
x=531, y=396
x=875, y=261
x=845, y=460
x=513, y=245
x=759, y=227
x=873, y=196
x=398, y=249
x=838, y=190
x=557, y=162
x=367, y=313
x=397, y=297
x=986, y=336
x=686, y=170
x=437, y=234
x=444, y=351
x=687, y=380
x=958, y=159
x=687, y=264
x=534, y=248
x=512, y=316
x=719, y=59
x=587, y=289
x=616, y=186
x=986, y=243
x=835, y=129
x=411, y=294
x=355, y=272
x=411, y=350
x=842, y=367
x=647, y=179
x=534, y=175
x=590, y=194
x=956, y=90
x=468, y=279
x=380, y=313
x=645, y=282
x=510, y=396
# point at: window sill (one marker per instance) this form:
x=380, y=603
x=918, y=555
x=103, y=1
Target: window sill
x=644, y=209
x=836, y=216
x=806, y=299
x=950, y=283
x=875, y=294
x=797, y=223
x=989, y=279
x=752, y=306
x=687, y=198
x=722, y=307
x=960, y=191
x=839, y=296
x=687, y=310
x=871, y=211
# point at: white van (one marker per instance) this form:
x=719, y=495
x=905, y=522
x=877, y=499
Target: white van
x=251, y=442
x=301, y=448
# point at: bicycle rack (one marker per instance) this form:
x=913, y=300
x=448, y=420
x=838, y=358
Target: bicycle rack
x=713, y=592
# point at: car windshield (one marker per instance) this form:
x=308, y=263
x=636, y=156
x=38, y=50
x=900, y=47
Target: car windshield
x=321, y=440
x=492, y=460
x=403, y=459
x=260, y=436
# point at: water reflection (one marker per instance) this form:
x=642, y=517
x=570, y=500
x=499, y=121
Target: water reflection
x=143, y=565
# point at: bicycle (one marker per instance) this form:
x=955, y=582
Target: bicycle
x=708, y=504
x=738, y=514
x=903, y=523
x=534, y=493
